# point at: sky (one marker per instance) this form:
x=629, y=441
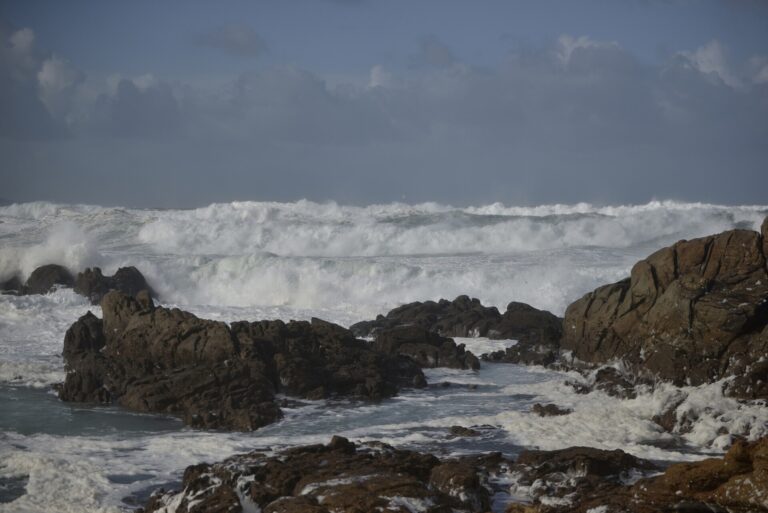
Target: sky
x=178, y=104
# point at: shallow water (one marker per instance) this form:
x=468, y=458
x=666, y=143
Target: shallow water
x=344, y=264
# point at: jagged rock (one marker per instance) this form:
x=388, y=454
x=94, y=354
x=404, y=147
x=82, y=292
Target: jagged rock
x=549, y=410
x=46, y=277
x=569, y=476
x=92, y=284
x=214, y=375
x=339, y=477
x=465, y=317
x=692, y=313
x=525, y=353
x=427, y=348
x=737, y=483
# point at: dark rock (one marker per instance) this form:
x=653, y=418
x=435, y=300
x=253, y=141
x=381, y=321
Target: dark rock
x=572, y=475
x=608, y=380
x=461, y=431
x=549, y=410
x=94, y=285
x=45, y=278
x=338, y=477
x=465, y=317
x=736, y=483
x=12, y=285
x=692, y=313
x=427, y=348
x=525, y=353
x=157, y=359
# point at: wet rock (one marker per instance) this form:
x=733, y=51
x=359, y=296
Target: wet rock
x=45, y=278
x=569, y=476
x=339, y=477
x=214, y=375
x=13, y=286
x=691, y=313
x=467, y=317
x=549, y=410
x=427, y=348
x=525, y=353
x=461, y=431
x=92, y=284
x=736, y=483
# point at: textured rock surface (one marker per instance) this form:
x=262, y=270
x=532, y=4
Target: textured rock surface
x=691, y=313
x=339, y=477
x=427, y=348
x=737, y=483
x=465, y=317
x=94, y=285
x=214, y=375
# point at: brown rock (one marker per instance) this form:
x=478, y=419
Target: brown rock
x=691, y=313
x=46, y=277
x=427, y=348
x=94, y=285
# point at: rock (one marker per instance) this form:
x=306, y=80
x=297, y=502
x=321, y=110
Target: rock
x=465, y=317
x=736, y=483
x=570, y=476
x=692, y=313
x=45, y=278
x=427, y=348
x=94, y=285
x=549, y=410
x=525, y=353
x=214, y=375
x=339, y=477
x=461, y=431
x=13, y=286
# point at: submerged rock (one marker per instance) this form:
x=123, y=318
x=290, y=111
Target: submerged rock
x=549, y=410
x=338, y=477
x=691, y=313
x=214, y=375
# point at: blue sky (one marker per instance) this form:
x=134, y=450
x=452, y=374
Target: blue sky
x=184, y=103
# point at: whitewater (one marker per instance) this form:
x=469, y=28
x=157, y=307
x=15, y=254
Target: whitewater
x=266, y=260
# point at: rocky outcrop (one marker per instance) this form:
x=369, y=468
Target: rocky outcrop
x=43, y=280
x=692, y=313
x=465, y=317
x=214, y=375
x=338, y=477
x=427, y=348
x=737, y=483
x=92, y=284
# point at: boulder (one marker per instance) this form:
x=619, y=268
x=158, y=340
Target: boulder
x=92, y=284
x=691, y=313
x=549, y=410
x=215, y=375
x=46, y=277
x=427, y=348
x=338, y=477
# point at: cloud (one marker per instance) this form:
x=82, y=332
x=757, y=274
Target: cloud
x=138, y=108
x=710, y=60
x=35, y=88
x=237, y=40
x=434, y=53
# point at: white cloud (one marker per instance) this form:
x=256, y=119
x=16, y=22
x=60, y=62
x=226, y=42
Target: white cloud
x=568, y=44
x=379, y=77
x=57, y=80
x=710, y=59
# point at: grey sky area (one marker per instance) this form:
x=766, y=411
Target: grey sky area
x=179, y=104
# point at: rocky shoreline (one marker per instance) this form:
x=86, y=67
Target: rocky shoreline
x=690, y=314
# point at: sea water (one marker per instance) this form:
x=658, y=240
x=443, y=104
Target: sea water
x=256, y=260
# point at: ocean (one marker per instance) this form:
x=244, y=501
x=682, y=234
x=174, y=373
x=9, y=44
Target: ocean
x=263, y=260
